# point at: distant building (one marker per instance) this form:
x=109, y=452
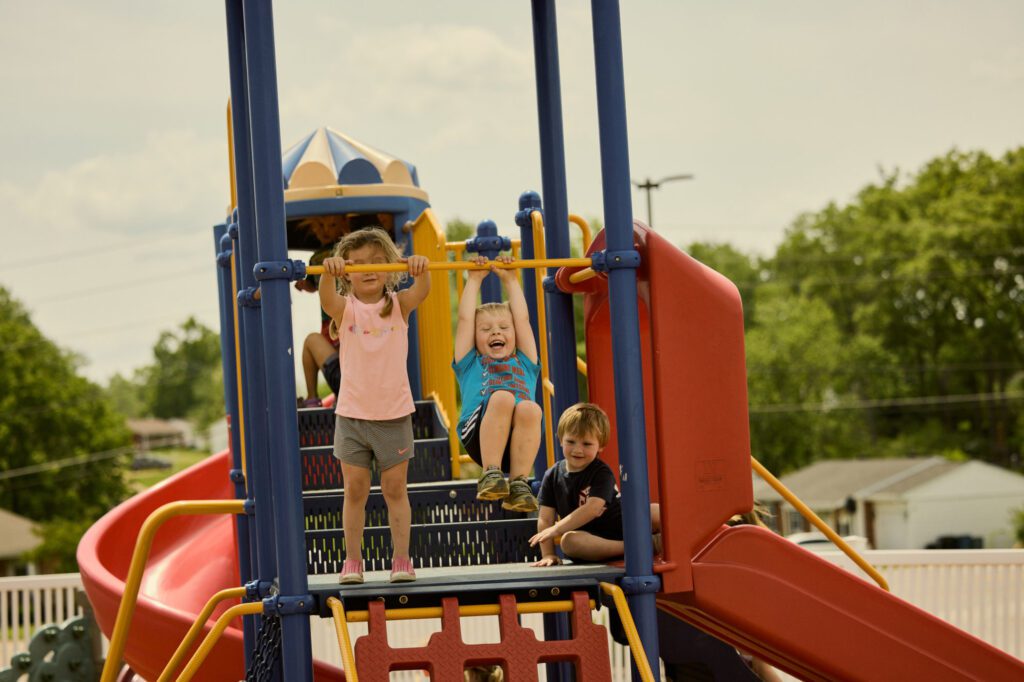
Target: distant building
x=160, y=433
x=16, y=538
x=903, y=503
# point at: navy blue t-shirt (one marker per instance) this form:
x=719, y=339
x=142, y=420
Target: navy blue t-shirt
x=566, y=491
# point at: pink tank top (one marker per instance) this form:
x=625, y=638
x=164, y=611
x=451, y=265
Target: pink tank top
x=373, y=353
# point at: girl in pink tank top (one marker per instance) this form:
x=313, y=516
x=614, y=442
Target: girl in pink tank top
x=375, y=403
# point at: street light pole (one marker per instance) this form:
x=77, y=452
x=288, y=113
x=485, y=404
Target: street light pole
x=647, y=185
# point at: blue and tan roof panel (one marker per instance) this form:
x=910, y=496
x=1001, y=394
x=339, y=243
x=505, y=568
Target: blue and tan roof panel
x=327, y=163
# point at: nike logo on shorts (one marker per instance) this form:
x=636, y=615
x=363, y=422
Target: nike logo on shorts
x=403, y=451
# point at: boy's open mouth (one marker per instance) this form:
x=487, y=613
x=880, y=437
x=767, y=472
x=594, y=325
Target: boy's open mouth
x=497, y=344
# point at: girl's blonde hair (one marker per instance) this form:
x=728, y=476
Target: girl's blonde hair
x=371, y=236
x=584, y=419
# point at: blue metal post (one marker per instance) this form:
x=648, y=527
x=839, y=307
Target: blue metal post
x=261, y=69
x=640, y=580
x=561, y=325
x=223, y=246
x=488, y=243
x=250, y=340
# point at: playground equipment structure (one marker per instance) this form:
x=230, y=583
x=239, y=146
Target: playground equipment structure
x=255, y=532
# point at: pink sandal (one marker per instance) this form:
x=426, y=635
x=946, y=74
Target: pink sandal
x=402, y=570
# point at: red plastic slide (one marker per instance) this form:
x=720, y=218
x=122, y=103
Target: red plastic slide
x=192, y=558
x=804, y=615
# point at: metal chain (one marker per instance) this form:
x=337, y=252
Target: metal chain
x=267, y=653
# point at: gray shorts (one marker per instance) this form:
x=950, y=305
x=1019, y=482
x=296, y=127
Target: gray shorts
x=359, y=441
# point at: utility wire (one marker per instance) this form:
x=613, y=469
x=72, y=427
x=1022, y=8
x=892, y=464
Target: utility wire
x=64, y=463
x=871, y=403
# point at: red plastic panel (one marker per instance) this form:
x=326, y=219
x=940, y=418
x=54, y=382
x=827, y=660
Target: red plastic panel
x=695, y=392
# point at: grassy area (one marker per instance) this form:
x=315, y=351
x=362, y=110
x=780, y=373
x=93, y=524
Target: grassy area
x=179, y=459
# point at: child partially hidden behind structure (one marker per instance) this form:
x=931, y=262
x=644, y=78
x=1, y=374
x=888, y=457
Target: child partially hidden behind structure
x=579, y=499
x=496, y=365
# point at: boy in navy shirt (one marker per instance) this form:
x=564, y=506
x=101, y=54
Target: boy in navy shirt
x=579, y=499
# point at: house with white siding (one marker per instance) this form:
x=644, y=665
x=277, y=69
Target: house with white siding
x=904, y=503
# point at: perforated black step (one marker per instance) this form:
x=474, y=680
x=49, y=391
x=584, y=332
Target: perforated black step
x=321, y=471
x=450, y=528
x=316, y=424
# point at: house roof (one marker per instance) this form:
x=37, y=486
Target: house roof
x=16, y=536
x=155, y=427
x=828, y=483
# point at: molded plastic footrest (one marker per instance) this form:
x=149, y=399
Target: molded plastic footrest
x=519, y=652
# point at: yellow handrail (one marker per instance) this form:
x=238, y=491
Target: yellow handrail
x=138, y=563
x=539, y=249
x=197, y=627
x=344, y=643
x=808, y=514
x=643, y=666
x=238, y=364
x=420, y=612
x=453, y=438
x=538, y=263
x=583, y=275
x=584, y=228
x=211, y=638
x=581, y=366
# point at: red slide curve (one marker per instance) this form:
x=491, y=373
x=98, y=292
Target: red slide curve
x=192, y=558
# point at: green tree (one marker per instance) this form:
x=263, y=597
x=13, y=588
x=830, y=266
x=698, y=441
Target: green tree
x=62, y=445
x=185, y=379
x=930, y=267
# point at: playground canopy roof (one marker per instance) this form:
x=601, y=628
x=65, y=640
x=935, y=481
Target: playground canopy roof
x=327, y=163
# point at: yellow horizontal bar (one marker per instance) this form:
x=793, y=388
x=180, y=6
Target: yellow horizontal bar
x=462, y=265
x=419, y=612
x=813, y=518
x=582, y=275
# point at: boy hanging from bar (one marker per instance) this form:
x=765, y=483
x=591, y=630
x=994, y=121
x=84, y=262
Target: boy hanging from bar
x=496, y=365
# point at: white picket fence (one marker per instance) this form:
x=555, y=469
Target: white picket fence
x=980, y=591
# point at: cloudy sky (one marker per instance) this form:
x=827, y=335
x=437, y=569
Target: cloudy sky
x=112, y=125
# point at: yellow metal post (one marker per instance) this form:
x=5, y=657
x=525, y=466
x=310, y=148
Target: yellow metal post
x=540, y=250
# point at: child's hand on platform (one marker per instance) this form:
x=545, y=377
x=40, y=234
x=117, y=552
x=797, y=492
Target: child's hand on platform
x=551, y=560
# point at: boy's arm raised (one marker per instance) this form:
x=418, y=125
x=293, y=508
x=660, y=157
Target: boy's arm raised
x=465, y=328
x=520, y=313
